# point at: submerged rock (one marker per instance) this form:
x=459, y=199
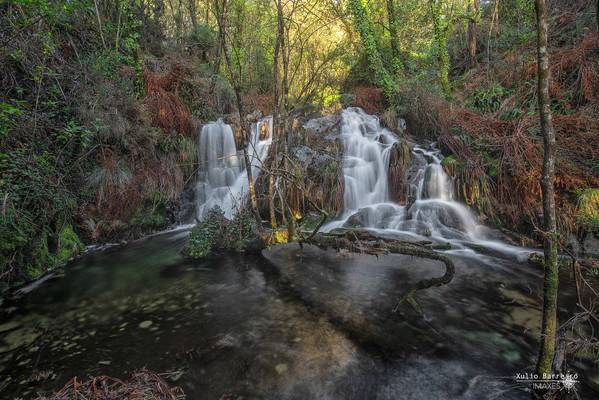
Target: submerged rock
x=145, y=324
x=18, y=338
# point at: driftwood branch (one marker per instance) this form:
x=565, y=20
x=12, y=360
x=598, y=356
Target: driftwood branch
x=360, y=241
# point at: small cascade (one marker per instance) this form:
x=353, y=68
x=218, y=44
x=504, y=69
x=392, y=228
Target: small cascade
x=222, y=177
x=366, y=148
x=432, y=211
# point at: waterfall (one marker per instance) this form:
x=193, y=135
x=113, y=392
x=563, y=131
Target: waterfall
x=432, y=214
x=366, y=147
x=433, y=211
x=222, y=179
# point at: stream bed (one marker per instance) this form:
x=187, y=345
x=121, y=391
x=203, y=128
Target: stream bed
x=292, y=324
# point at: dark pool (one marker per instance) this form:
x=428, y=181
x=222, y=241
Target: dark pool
x=295, y=324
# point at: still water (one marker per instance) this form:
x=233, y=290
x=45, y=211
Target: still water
x=293, y=324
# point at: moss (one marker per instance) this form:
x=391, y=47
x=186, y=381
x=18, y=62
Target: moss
x=41, y=258
x=588, y=209
x=150, y=218
x=69, y=244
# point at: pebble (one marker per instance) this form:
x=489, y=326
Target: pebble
x=145, y=324
x=281, y=368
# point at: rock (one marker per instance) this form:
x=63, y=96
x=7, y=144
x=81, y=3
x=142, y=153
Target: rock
x=9, y=326
x=18, y=338
x=104, y=362
x=302, y=153
x=323, y=124
x=281, y=368
x=371, y=216
x=145, y=324
x=254, y=116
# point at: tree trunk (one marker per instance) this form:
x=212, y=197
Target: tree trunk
x=219, y=12
x=192, y=14
x=244, y=126
x=473, y=15
x=276, y=115
x=441, y=27
x=551, y=277
x=364, y=26
x=99, y=23
x=395, y=49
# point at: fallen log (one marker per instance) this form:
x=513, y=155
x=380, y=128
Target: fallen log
x=364, y=242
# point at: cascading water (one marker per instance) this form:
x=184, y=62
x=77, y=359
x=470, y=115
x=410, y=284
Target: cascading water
x=222, y=178
x=433, y=213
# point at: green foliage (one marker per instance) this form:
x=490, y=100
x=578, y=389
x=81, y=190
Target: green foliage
x=364, y=26
x=8, y=116
x=216, y=233
x=69, y=244
x=202, y=40
x=488, y=99
x=588, y=209
x=34, y=208
x=207, y=236
x=441, y=29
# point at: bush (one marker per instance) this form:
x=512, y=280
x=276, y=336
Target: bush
x=216, y=233
x=488, y=99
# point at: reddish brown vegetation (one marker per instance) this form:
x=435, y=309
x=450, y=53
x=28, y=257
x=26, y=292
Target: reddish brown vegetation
x=254, y=100
x=141, y=385
x=517, y=191
x=574, y=72
x=369, y=98
x=166, y=108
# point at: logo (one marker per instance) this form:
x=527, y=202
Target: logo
x=554, y=382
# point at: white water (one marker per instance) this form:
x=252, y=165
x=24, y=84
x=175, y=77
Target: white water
x=432, y=214
x=223, y=178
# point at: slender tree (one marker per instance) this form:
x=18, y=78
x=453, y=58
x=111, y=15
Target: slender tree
x=551, y=277
x=441, y=27
x=472, y=31
x=364, y=26
x=235, y=82
x=191, y=6
x=395, y=48
x=276, y=113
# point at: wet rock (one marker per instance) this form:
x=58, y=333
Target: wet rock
x=437, y=214
x=104, y=362
x=9, y=326
x=281, y=368
x=323, y=124
x=18, y=338
x=372, y=216
x=145, y=324
x=303, y=153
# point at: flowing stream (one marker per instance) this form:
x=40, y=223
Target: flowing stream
x=222, y=178
x=433, y=213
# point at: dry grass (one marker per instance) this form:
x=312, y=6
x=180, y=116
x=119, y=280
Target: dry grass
x=516, y=192
x=369, y=98
x=166, y=108
x=141, y=385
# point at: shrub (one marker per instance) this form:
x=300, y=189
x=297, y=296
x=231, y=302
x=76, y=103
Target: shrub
x=488, y=99
x=216, y=233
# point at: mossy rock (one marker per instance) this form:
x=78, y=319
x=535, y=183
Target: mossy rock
x=69, y=244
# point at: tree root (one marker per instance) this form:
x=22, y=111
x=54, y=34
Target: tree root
x=364, y=242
